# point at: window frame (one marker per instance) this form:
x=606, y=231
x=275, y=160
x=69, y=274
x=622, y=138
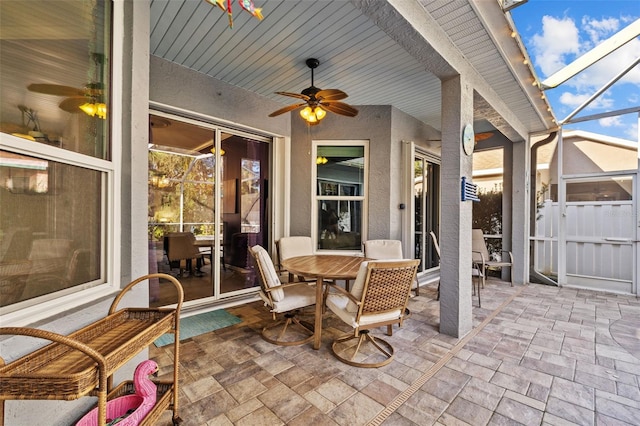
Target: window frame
x=54, y=304
x=316, y=184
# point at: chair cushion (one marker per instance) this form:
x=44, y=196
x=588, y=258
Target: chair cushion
x=383, y=249
x=295, y=246
x=357, y=287
x=337, y=303
x=269, y=271
x=296, y=297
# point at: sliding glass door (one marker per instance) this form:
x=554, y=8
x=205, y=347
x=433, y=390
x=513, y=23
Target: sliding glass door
x=426, y=194
x=207, y=204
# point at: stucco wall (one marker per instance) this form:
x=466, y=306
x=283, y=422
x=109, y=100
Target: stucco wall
x=194, y=92
x=385, y=128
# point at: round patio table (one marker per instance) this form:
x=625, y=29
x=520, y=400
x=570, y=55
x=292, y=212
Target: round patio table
x=323, y=267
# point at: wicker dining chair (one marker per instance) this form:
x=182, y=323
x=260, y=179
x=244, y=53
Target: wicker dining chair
x=379, y=297
x=287, y=299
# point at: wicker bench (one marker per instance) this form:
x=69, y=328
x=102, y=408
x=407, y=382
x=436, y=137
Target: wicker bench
x=83, y=362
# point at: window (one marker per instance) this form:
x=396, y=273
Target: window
x=54, y=148
x=340, y=176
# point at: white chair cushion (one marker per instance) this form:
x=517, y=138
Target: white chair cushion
x=357, y=287
x=296, y=297
x=295, y=246
x=383, y=249
x=338, y=305
x=269, y=271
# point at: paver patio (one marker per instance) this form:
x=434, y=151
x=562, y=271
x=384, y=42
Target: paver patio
x=537, y=355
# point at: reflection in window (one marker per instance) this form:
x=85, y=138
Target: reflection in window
x=181, y=192
x=250, y=204
x=59, y=99
x=609, y=189
x=54, y=79
x=50, y=227
x=340, y=172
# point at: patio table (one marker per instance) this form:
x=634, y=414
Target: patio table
x=323, y=267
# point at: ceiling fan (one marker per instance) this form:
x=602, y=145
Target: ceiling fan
x=317, y=101
x=87, y=99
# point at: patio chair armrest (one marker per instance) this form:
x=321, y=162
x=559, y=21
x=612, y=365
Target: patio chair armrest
x=510, y=255
x=344, y=292
x=291, y=284
x=482, y=259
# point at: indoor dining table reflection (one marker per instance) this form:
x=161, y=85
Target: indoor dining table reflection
x=323, y=267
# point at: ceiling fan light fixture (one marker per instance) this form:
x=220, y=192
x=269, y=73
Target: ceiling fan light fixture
x=320, y=113
x=316, y=102
x=94, y=109
x=312, y=115
x=89, y=109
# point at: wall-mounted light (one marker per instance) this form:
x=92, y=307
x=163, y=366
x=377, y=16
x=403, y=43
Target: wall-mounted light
x=313, y=115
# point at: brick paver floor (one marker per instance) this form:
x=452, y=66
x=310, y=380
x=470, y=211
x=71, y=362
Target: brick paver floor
x=537, y=355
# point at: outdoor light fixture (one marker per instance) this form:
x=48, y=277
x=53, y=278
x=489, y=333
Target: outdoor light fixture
x=312, y=115
x=321, y=160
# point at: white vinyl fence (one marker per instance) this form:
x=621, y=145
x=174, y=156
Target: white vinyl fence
x=599, y=237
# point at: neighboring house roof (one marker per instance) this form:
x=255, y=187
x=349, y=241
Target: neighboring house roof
x=606, y=153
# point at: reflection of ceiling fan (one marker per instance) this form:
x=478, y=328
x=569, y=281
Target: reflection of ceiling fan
x=482, y=136
x=87, y=99
x=317, y=101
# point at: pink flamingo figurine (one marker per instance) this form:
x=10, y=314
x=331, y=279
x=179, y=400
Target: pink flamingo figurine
x=129, y=410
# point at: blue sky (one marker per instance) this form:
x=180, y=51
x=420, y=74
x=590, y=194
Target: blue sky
x=556, y=32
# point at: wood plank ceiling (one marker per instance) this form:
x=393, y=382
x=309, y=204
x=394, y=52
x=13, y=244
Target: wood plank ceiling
x=355, y=55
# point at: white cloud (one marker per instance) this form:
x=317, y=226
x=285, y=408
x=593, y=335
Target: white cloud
x=632, y=132
x=574, y=100
x=557, y=45
x=599, y=30
x=610, y=121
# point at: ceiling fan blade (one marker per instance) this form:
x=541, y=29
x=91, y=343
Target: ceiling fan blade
x=483, y=136
x=55, y=89
x=340, y=108
x=294, y=95
x=286, y=109
x=72, y=104
x=331, y=95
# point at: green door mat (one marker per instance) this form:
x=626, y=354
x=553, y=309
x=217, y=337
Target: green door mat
x=199, y=324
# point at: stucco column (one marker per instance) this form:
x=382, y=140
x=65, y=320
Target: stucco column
x=520, y=211
x=455, y=230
